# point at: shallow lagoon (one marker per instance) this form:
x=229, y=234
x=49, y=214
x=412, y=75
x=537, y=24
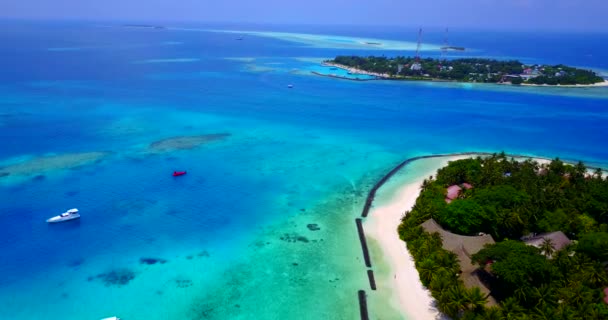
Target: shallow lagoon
x=234, y=231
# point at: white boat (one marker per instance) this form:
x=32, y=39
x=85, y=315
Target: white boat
x=111, y=318
x=66, y=216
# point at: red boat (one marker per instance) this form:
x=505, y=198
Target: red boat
x=178, y=173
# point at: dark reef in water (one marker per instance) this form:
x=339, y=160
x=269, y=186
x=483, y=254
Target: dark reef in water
x=294, y=237
x=76, y=262
x=183, y=283
x=39, y=177
x=117, y=277
x=203, y=253
x=313, y=227
x=71, y=193
x=151, y=261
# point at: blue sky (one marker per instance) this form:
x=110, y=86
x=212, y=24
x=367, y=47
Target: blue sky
x=494, y=14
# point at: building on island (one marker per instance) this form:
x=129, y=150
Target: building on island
x=454, y=191
x=558, y=240
x=464, y=247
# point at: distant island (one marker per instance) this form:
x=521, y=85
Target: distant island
x=498, y=238
x=467, y=70
x=148, y=26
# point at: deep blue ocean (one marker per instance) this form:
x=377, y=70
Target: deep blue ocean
x=82, y=104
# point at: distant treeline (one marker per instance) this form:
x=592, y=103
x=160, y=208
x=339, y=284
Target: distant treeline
x=470, y=70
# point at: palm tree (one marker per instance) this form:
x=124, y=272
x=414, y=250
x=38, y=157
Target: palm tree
x=566, y=312
x=427, y=269
x=511, y=308
x=442, y=279
x=544, y=296
x=577, y=295
x=425, y=184
x=521, y=293
x=493, y=313
x=543, y=314
x=476, y=299
x=444, y=305
x=424, y=249
x=457, y=296
x=598, y=173
x=547, y=247
x=436, y=240
x=445, y=259
x=594, y=274
x=594, y=312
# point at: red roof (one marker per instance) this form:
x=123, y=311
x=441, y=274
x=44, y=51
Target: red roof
x=453, y=192
x=606, y=295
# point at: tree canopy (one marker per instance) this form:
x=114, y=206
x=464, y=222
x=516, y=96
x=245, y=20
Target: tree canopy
x=470, y=70
x=511, y=199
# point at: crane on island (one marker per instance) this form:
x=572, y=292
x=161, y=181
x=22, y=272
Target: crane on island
x=416, y=66
x=444, y=49
x=418, y=45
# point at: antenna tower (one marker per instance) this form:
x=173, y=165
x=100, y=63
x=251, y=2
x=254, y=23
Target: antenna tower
x=444, y=49
x=418, y=45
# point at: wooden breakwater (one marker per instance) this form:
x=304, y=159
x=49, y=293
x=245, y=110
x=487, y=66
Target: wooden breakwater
x=372, y=280
x=363, y=305
x=366, y=258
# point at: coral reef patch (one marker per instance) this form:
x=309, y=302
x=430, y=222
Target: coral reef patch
x=151, y=261
x=185, y=142
x=313, y=227
x=294, y=237
x=117, y=277
x=39, y=165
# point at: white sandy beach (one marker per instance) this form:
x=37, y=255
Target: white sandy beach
x=408, y=295
x=355, y=70
x=598, y=84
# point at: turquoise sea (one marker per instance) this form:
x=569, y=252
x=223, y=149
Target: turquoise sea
x=97, y=116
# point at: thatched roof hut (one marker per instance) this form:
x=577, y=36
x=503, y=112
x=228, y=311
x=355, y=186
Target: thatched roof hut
x=558, y=239
x=464, y=247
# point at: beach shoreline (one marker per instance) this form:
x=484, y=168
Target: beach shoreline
x=354, y=70
x=595, y=85
x=409, y=296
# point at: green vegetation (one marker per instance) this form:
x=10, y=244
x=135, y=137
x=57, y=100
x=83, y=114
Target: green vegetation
x=510, y=199
x=470, y=70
